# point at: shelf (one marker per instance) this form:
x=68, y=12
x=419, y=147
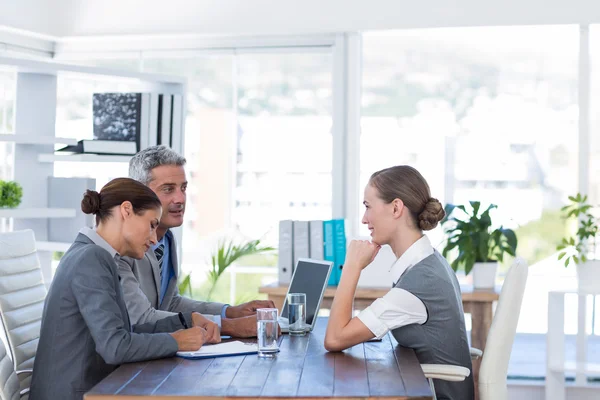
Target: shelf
x=578, y=368
x=82, y=158
x=37, y=213
x=52, y=246
x=52, y=68
x=23, y=139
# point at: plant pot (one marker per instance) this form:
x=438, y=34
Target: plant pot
x=588, y=276
x=484, y=275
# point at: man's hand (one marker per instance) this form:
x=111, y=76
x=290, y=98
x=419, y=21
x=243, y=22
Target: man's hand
x=246, y=309
x=213, y=334
x=189, y=339
x=244, y=327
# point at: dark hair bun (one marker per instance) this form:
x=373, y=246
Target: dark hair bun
x=91, y=202
x=431, y=214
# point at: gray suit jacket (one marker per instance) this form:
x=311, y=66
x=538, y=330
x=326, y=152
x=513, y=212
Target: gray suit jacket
x=86, y=331
x=140, y=280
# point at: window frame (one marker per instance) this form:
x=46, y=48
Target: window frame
x=346, y=94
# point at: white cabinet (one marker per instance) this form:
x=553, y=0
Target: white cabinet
x=35, y=137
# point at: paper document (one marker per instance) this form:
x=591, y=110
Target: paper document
x=221, y=349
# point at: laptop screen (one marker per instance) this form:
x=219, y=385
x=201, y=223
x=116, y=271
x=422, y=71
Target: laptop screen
x=310, y=277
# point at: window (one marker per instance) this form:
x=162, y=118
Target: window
x=486, y=113
x=594, y=170
x=284, y=152
x=258, y=145
x=7, y=118
x=208, y=148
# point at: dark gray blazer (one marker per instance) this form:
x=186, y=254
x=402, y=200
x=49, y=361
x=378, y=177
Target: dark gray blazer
x=140, y=280
x=86, y=332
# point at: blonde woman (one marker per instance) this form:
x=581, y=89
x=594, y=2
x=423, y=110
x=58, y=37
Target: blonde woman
x=423, y=310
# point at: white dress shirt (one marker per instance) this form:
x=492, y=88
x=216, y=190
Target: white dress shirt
x=398, y=307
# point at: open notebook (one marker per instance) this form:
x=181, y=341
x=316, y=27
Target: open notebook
x=234, y=348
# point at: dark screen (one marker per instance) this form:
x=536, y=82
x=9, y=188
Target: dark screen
x=309, y=278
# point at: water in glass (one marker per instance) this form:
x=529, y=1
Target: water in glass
x=297, y=313
x=297, y=318
x=267, y=338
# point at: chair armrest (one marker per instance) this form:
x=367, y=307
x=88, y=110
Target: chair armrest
x=24, y=371
x=24, y=392
x=452, y=373
x=21, y=372
x=475, y=353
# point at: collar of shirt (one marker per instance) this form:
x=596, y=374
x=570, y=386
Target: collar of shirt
x=163, y=241
x=99, y=240
x=158, y=243
x=420, y=250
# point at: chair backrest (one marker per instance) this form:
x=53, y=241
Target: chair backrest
x=9, y=383
x=494, y=364
x=22, y=295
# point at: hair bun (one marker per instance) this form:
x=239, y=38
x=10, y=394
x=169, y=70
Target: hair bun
x=91, y=202
x=432, y=213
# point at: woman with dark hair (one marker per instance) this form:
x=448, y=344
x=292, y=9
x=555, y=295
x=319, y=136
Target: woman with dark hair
x=86, y=332
x=423, y=310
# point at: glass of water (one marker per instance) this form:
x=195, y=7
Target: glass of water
x=297, y=313
x=267, y=331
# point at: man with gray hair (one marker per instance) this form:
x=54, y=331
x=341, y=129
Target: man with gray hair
x=150, y=284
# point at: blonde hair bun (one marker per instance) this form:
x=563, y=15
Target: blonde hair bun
x=432, y=213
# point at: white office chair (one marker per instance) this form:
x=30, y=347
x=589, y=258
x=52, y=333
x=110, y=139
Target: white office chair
x=22, y=295
x=9, y=383
x=494, y=364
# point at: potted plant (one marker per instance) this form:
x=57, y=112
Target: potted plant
x=10, y=194
x=477, y=246
x=581, y=249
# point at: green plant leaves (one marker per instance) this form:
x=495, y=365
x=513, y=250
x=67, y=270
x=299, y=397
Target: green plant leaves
x=186, y=285
x=587, y=229
x=10, y=194
x=226, y=253
x=471, y=235
x=475, y=205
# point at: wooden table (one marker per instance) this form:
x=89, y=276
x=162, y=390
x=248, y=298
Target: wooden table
x=478, y=303
x=303, y=369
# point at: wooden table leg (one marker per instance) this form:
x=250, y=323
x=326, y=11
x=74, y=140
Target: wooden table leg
x=481, y=320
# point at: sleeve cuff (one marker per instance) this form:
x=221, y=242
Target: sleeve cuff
x=378, y=328
x=224, y=311
x=186, y=320
x=172, y=346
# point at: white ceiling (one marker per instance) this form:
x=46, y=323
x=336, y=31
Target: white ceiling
x=62, y=18
x=37, y=16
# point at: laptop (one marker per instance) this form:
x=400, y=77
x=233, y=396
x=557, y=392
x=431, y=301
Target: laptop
x=310, y=277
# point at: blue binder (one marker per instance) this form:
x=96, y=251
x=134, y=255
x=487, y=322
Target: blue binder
x=329, y=250
x=339, y=233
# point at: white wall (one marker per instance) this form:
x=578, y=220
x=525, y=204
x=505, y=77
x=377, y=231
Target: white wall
x=258, y=17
